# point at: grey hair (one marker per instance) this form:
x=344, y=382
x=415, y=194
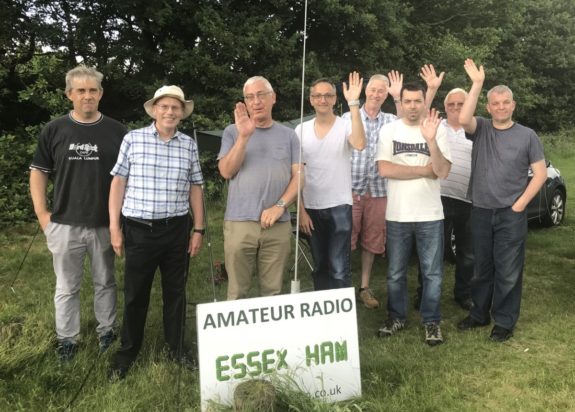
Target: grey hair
x=380, y=77
x=499, y=89
x=455, y=91
x=83, y=71
x=254, y=79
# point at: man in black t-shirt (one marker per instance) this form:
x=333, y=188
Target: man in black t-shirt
x=78, y=150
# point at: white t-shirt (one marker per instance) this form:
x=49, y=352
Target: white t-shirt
x=411, y=200
x=456, y=184
x=327, y=165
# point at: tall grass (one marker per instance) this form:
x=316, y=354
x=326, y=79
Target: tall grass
x=534, y=371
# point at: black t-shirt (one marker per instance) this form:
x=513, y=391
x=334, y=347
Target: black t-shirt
x=80, y=157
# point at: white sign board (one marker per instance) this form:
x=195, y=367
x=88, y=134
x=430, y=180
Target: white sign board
x=310, y=337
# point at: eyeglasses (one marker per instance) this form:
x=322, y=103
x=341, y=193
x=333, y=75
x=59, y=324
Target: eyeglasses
x=259, y=95
x=167, y=107
x=327, y=96
x=454, y=104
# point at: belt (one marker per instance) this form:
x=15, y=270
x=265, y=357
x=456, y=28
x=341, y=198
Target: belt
x=152, y=223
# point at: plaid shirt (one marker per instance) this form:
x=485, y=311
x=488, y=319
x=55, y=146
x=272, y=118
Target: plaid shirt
x=159, y=173
x=364, y=174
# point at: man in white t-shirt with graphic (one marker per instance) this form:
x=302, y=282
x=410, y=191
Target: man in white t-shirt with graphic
x=413, y=153
x=327, y=142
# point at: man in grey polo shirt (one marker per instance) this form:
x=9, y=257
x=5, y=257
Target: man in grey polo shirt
x=261, y=160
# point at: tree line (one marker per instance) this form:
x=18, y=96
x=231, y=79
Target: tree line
x=210, y=47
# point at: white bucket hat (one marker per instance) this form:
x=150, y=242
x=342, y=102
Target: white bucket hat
x=170, y=91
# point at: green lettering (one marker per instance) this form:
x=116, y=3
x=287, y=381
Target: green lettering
x=326, y=352
x=220, y=368
x=256, y=364
x=240, y=366
x=341, y=351
x=311, y=355
x=282, y=359
x=267, y=360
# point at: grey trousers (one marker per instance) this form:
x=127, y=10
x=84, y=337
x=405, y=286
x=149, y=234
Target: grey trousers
x=69, y=246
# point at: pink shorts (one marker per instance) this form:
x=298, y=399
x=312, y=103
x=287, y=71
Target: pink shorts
x=368, y=215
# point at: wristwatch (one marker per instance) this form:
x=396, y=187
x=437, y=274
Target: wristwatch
x=200, y=231
x=281, y=203
x=353, y=103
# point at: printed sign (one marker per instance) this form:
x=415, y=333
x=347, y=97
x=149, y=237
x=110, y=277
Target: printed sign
x=309, y=337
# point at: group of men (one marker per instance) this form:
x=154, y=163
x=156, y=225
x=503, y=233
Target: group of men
x=368, y=177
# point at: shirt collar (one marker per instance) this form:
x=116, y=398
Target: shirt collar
x=152, y=129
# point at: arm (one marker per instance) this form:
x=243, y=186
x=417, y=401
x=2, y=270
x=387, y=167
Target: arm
x=539, y=178
x=197, y=206
x=477, y=76
x=270, y=215
x=233, y=160
x=433, y=81
x=404, y=172
x=357, y=137
x=38, y=187
x=117, y=191
x=439, y=163
x=395, y=85
x=305, y=222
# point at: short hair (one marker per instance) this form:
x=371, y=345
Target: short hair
x=83, y=71
x=380, y=77
x=412, y=87
x=499, y=89
x=454, y=91
x=323, y=80
x=254, y=79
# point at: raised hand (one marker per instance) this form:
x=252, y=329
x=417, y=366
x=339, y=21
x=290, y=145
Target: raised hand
x=432, y=80
x=395, y=83
x=477, y=75
x=244, y=123
x=354, y=90
x=429, y=126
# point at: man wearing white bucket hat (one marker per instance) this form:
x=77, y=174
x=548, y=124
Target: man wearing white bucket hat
x=157, y=179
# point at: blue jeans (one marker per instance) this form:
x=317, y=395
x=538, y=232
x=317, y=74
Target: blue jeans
x=499, y=243
x=429, y=244
x=330, y=244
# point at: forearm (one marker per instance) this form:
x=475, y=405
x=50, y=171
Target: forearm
x=440, y=165
x=429, y=96
x=403, y=172
x=357, y=137
x=197, y=205
x=466, y=116
x=38, y=187
x=116, y=199
x=290, y=194
x=538, y=180
x=233, y=160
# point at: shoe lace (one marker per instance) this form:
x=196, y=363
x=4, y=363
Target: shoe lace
x=433, y=331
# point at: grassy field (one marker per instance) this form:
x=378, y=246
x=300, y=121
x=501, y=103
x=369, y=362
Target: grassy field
x=534, y=371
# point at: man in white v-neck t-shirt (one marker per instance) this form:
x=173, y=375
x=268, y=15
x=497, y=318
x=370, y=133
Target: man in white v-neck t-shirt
x=327, y=142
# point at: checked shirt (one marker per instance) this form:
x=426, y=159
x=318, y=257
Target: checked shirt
x=159, y=173
x=364, y=174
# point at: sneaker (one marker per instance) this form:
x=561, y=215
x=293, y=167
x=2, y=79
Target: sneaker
x=390, y=327
x=500, y=334
x=106, y=340
x=368, y=298
x=433, y=335
x=66, y=350
x=470, y=323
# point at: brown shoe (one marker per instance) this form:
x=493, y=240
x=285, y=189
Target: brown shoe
x=368, y=298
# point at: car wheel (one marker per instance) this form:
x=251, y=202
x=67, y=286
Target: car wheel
x=555, y=209
x=449, y=241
